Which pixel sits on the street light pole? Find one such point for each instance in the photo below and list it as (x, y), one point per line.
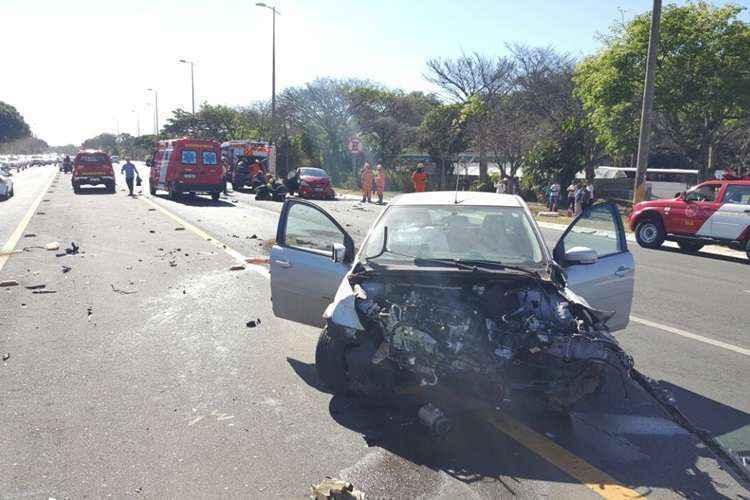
(644, 138)
(156, 111)
(272, 8)
(137, 123)
(192, 82)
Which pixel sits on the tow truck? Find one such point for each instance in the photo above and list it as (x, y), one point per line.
(716, 212)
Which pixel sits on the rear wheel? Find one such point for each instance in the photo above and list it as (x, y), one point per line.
(76, 188)
(110, 187)
(173, 194)
(215, 196)
(330, 362)
(690, 246)
(649, 233)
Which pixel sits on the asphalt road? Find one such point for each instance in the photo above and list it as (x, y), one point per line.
(139, 376)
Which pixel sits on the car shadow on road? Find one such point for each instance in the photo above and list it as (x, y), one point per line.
(94, 190)
(631, 441)
(706, 255)
(197, 201)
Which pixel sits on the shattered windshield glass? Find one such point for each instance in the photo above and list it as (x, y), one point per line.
(480, 233)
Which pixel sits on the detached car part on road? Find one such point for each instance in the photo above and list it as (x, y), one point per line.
(458, 291)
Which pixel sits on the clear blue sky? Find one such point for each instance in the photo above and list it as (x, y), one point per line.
(75, 68)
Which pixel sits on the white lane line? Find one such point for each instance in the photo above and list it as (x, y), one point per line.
(7, 249)
(693, 336)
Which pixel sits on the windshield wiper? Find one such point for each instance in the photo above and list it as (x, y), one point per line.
(475, 265)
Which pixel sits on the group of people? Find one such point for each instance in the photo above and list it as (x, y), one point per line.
(580, 194)
(366, 177)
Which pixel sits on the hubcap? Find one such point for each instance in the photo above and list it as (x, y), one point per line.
(648, 233)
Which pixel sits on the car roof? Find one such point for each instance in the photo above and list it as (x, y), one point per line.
(474, 198)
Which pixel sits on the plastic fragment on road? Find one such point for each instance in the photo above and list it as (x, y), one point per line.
(72, 249)
(43, 291)
(6, 356)
(35, 287)
(52, 245)
(9, 283)
(253, 323)
(335, 488)
(179, 228)
(237, 267)
(66, 269)
(29, 235)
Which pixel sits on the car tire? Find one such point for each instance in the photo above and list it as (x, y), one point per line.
(76, 188)
(173, 195)
(690, 246)
(330, 361)
(649, 233)
(215, 196)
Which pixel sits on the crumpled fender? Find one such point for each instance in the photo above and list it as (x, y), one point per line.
(342, 310)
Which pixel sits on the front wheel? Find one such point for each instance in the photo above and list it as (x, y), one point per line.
(173, 194)
(215, 196)
(690, 246)
(650, 233)
(330, 361)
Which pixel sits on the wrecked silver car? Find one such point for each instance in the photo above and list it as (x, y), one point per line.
(458, 290)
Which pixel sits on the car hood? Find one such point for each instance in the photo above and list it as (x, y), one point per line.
(315, 180)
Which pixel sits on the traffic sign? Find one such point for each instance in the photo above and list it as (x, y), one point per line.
(355, 146)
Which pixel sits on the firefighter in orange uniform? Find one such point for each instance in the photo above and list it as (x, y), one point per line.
(419, 179)
(366, 178)
(380, 182)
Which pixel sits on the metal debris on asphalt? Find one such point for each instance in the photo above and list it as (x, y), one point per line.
(6, 356)
(122, 292)
(44, 291)
(253, 237)
(9, 283)
(335, 488)
(237, 267)
(29, 235)
(253, 323)
(35, 287)
(72, 249)
(66, 269)
(179, 228)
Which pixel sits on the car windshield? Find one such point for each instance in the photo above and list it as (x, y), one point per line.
(313, 172)
(477, 233)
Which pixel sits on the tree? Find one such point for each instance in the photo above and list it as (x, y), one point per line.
(389, 119)
(442, 135)
(12, 124)
(472, 76)
(702, 82)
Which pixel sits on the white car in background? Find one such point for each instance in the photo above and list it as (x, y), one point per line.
(6, 183)
(458, 291)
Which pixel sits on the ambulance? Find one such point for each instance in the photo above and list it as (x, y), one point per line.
(187, 166)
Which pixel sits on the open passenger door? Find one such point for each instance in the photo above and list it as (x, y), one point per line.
(594, 252)
(311, 256)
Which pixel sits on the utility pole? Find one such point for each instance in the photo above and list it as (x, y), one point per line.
(644, 138)
(272, 8)
(192, 82)
(156, 110)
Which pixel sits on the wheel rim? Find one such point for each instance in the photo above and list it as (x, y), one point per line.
(649, 233)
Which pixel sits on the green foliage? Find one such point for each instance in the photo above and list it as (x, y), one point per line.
(12, 124)
(702, 85)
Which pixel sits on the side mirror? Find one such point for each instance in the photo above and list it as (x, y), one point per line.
(338, 253)
(581, 255)
(680, 195)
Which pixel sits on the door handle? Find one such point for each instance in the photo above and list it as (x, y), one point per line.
(283, 263)
(621, 271)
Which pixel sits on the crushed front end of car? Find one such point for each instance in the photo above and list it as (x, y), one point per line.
(490, 336)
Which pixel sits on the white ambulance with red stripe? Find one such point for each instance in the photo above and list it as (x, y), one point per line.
(716, 212)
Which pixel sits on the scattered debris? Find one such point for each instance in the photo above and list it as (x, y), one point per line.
(235, 236)
(89, 312)
(29, 235)
(237, 267)
(122, 292)
(151, 231)
(152, 210)
(6, 356)
(72, 249)
(66, 269)
(53, 245)
(44, 291)
(9, 283)
(258, 260)
(253, 237)
(179, 228)
(173, 263)
(61, 254)
(335, 488)
(36, 287)
(253, 323)
(41, 213)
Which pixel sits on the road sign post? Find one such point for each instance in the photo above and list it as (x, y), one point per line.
(355, 148)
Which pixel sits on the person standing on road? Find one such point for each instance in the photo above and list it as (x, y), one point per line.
(554, 193)
(571, 198)
(366, 178)
(419, 179)
(590, 188)
(130, 174)
(500, 186)
(380, 182)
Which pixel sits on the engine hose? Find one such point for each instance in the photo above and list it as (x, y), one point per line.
(666, 402)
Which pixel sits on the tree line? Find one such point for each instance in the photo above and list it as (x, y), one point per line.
(534, 109)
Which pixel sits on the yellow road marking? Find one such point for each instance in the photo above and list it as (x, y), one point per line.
(7, 249)
(596, 480)
(208, 237)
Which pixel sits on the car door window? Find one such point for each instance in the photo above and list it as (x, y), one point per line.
(707, 192)
(307, 228)
(739, 195)
(597, 228)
